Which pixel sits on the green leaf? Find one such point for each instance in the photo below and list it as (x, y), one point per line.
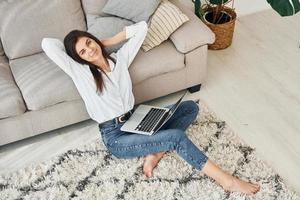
(198, 9)
(217, 2)
(285, 7)
(296, 5)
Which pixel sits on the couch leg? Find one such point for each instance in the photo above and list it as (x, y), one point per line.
(195, 88)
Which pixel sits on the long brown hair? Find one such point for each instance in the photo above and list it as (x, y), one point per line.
(70, 41)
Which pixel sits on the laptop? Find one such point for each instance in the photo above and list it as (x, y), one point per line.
(148, 119)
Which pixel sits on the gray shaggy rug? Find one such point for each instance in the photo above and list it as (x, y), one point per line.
(91, 172)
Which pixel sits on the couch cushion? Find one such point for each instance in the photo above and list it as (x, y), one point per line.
(162, 59)
(104, 27)
(94, 7)
(42, 82)
(23, 24)
(131, 9)
(11, 101)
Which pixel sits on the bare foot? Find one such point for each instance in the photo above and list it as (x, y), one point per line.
(227, 181)
(150, 162)
(234, 184)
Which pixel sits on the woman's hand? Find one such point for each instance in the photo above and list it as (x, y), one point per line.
(120, 37)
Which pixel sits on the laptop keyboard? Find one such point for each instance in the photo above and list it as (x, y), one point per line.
(151, 118)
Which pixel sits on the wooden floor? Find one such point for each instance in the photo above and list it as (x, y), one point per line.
(253, 85)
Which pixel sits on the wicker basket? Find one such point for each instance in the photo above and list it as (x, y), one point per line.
(223, 32)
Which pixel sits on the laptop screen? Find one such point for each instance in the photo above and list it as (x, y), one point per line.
(169, 113)
(174, 107)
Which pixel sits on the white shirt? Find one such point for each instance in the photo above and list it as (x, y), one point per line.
(117, 97)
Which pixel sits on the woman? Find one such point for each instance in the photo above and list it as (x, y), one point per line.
(104, 84)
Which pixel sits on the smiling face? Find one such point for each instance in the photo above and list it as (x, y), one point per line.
(88, 49)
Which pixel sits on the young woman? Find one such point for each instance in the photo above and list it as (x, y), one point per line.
(105, 86)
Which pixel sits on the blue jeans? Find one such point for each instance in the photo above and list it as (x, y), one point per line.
(170, 137)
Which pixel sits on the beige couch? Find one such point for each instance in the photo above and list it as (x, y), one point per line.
(36, 96)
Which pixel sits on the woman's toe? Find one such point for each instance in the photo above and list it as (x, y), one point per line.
(148, 174)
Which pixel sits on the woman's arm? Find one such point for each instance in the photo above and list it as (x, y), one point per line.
(120, 37)
(136, 34)
(55, 50)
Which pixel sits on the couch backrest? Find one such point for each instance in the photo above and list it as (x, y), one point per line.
(94, 7)
(23, 24)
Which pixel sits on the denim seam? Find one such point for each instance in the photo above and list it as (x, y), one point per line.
(185, 153)
(137, 146)
(180, 148)
(200, 163)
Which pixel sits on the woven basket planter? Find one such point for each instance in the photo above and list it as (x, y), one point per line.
(223, 32)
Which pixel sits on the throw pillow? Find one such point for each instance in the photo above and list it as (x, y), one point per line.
(94, 7)
(104, 27)
(134, 10)
(166, 19)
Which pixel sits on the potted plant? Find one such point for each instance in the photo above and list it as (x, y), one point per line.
(220, 18)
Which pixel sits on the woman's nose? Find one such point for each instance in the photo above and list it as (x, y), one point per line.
(90, 51)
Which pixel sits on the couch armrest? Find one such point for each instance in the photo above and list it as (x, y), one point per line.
(191, 34)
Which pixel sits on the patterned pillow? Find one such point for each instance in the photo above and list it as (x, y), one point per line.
(166, 19)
